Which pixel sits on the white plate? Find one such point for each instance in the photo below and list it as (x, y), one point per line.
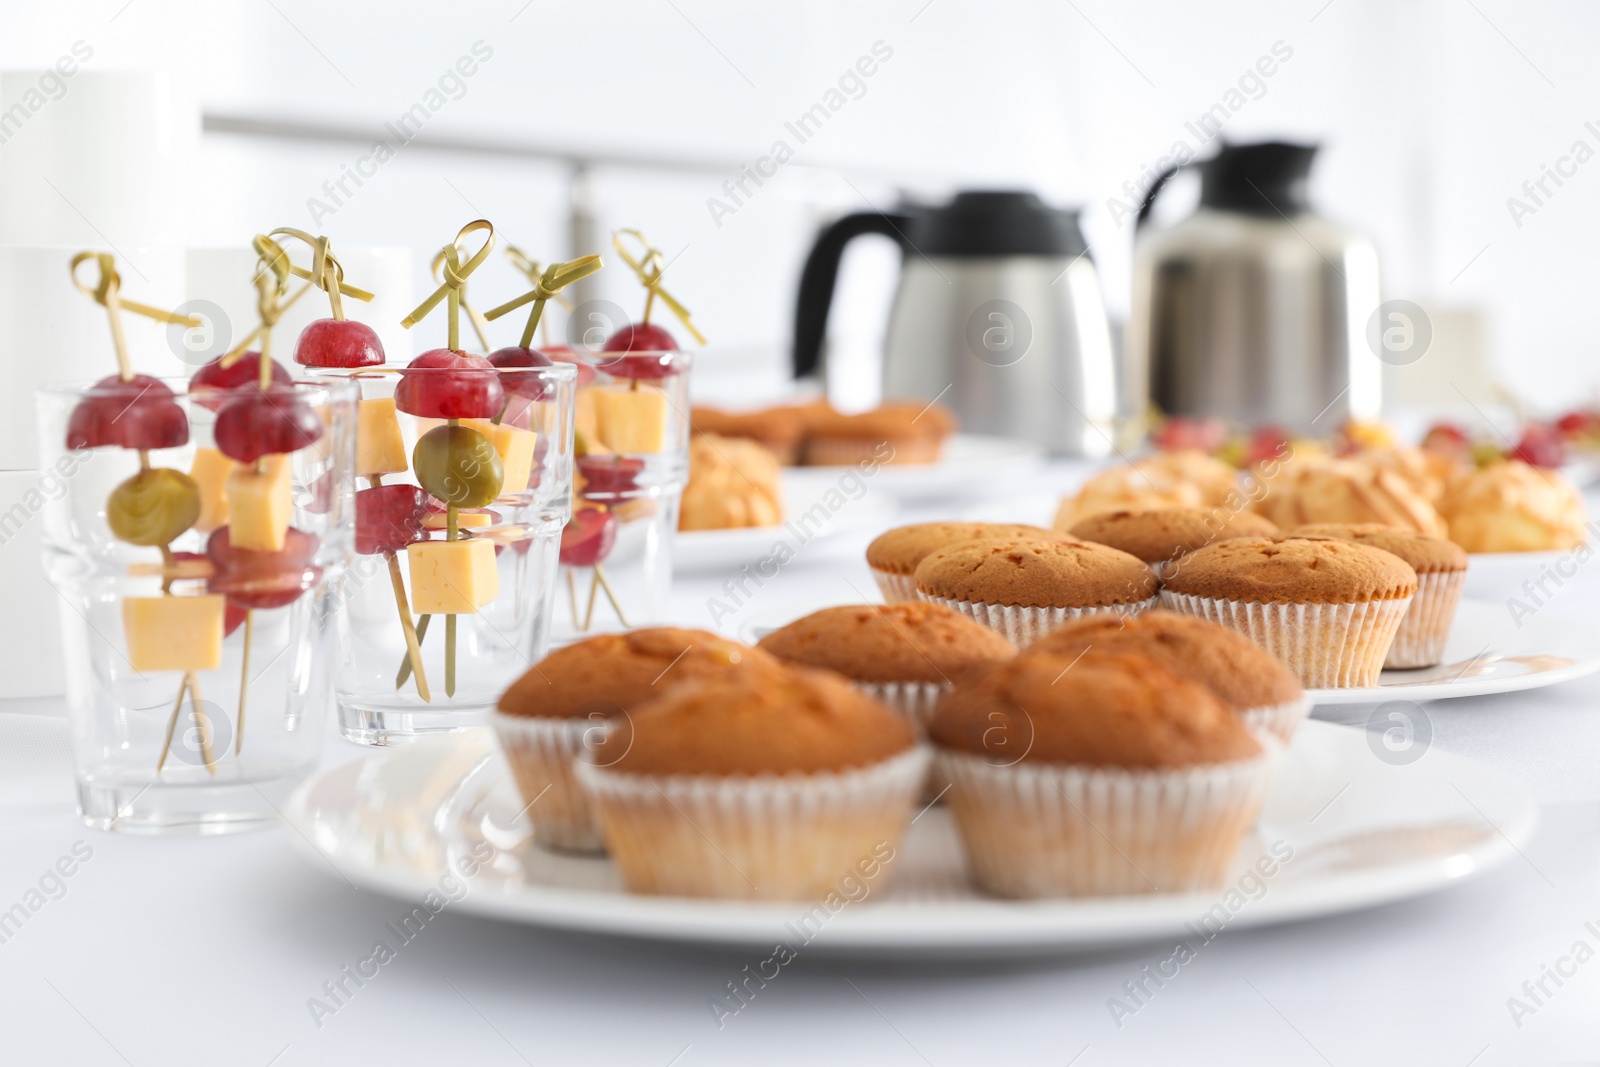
(970, 461)
(716, 550)
(1362, 832)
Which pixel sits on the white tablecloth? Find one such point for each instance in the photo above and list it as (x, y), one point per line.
(184, 951)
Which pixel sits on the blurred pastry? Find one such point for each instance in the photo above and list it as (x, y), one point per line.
(1095, 774)
(894, 555)
(1512, 507)
(1023, 588)
(1162, 535)
(1424, 473)
(1180, 479)
(1441, 568)
(768, 785)
(778, 429)
(910, 431)
(1339, 490)
(733, 483)
(567, 701)
(1328, 609)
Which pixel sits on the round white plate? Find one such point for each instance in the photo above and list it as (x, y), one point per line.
(970, 461)
(1358, 830)
(1501, 575)
(843, 511)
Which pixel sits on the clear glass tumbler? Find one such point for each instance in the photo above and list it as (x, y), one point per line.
(196, 598)
(632, 464)
(470, 606)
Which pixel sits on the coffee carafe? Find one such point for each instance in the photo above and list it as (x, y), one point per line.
(1254, 308)
(998, 314)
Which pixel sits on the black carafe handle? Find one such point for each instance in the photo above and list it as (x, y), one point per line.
(820, 274)
(1154, 191)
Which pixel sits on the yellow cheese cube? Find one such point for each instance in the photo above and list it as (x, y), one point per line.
(260, 504)
(210, 471)
(379, 447)
(630, 420)
(465, 520)
(452, 577)
(516, 452)
(583, 417)
(174, 633)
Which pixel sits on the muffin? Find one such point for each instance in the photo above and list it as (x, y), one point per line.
(1022, 588)
(1264, 693)
(1441, 568)
(1184, 478)
(1422, 472)
(1328, 609)
(894, 555)
(565, 702)
(1096, 775)
(779, 430)
(733, 483)
(1345, 491)
(1160, 536)
(906, 655)
(910, 431)
(759, 785)
(1512, 507)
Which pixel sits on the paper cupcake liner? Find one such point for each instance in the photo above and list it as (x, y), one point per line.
(1022, 625)
(895, 588)
(1054, 830)
(1420, 640)
(1278, 721)
(541, 752)
(916, 701)
(767, 837)
(1328, 646)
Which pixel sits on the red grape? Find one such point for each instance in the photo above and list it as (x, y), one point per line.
(455, 385)
(139, 413)
(255, 422)
(213, 381)
(564, 354)
(1181, 432)
(588, 538)
(609, 477)
(526, 385)
(1267, 443)
(338, 343)
(1580, 423)
(388, 518)
(1446, 438)
(232, 614)
(253, 579)
(641, 337)
(649, 345)
(1541, 446)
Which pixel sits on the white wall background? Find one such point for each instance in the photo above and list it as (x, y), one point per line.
(1432, 113)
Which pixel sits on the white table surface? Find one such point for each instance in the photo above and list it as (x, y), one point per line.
(206, 951)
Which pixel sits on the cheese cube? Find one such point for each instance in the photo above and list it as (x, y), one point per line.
(210, 471)
(583, 415)
(516, 452)
(379, 447)
(452, 577)
(174, 633)
(260, 504)
(629, 420)
(465, 520)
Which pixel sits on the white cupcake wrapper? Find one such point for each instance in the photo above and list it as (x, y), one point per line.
(895, 588)
(1420, 640)
(1278, 721)
(914, 700)
(1328, 646)
(1053, 830)
(1024, 625)
(767, 837)
(540, 752)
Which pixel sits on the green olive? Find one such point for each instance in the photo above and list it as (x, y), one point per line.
(154, 507)
(458, 465)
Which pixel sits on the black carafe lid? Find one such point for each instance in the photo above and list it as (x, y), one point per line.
(1267, 178)
(997, 223)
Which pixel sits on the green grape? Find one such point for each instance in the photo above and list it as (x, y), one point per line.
(154, 507)
(458, 465)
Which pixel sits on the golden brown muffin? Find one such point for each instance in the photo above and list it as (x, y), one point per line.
(733, 483)
(1346, 492)
(1512, 507)
(914, 641)
(1293, 570)
(1183, 478)
(778, 429)
(900, 550)
(756, 722)
(615, 672)
(1420, 470)
(1427, 555)
(1105, 709)
(1232, 666)
(1035, 573)
(1167, 533)
(908, 431)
